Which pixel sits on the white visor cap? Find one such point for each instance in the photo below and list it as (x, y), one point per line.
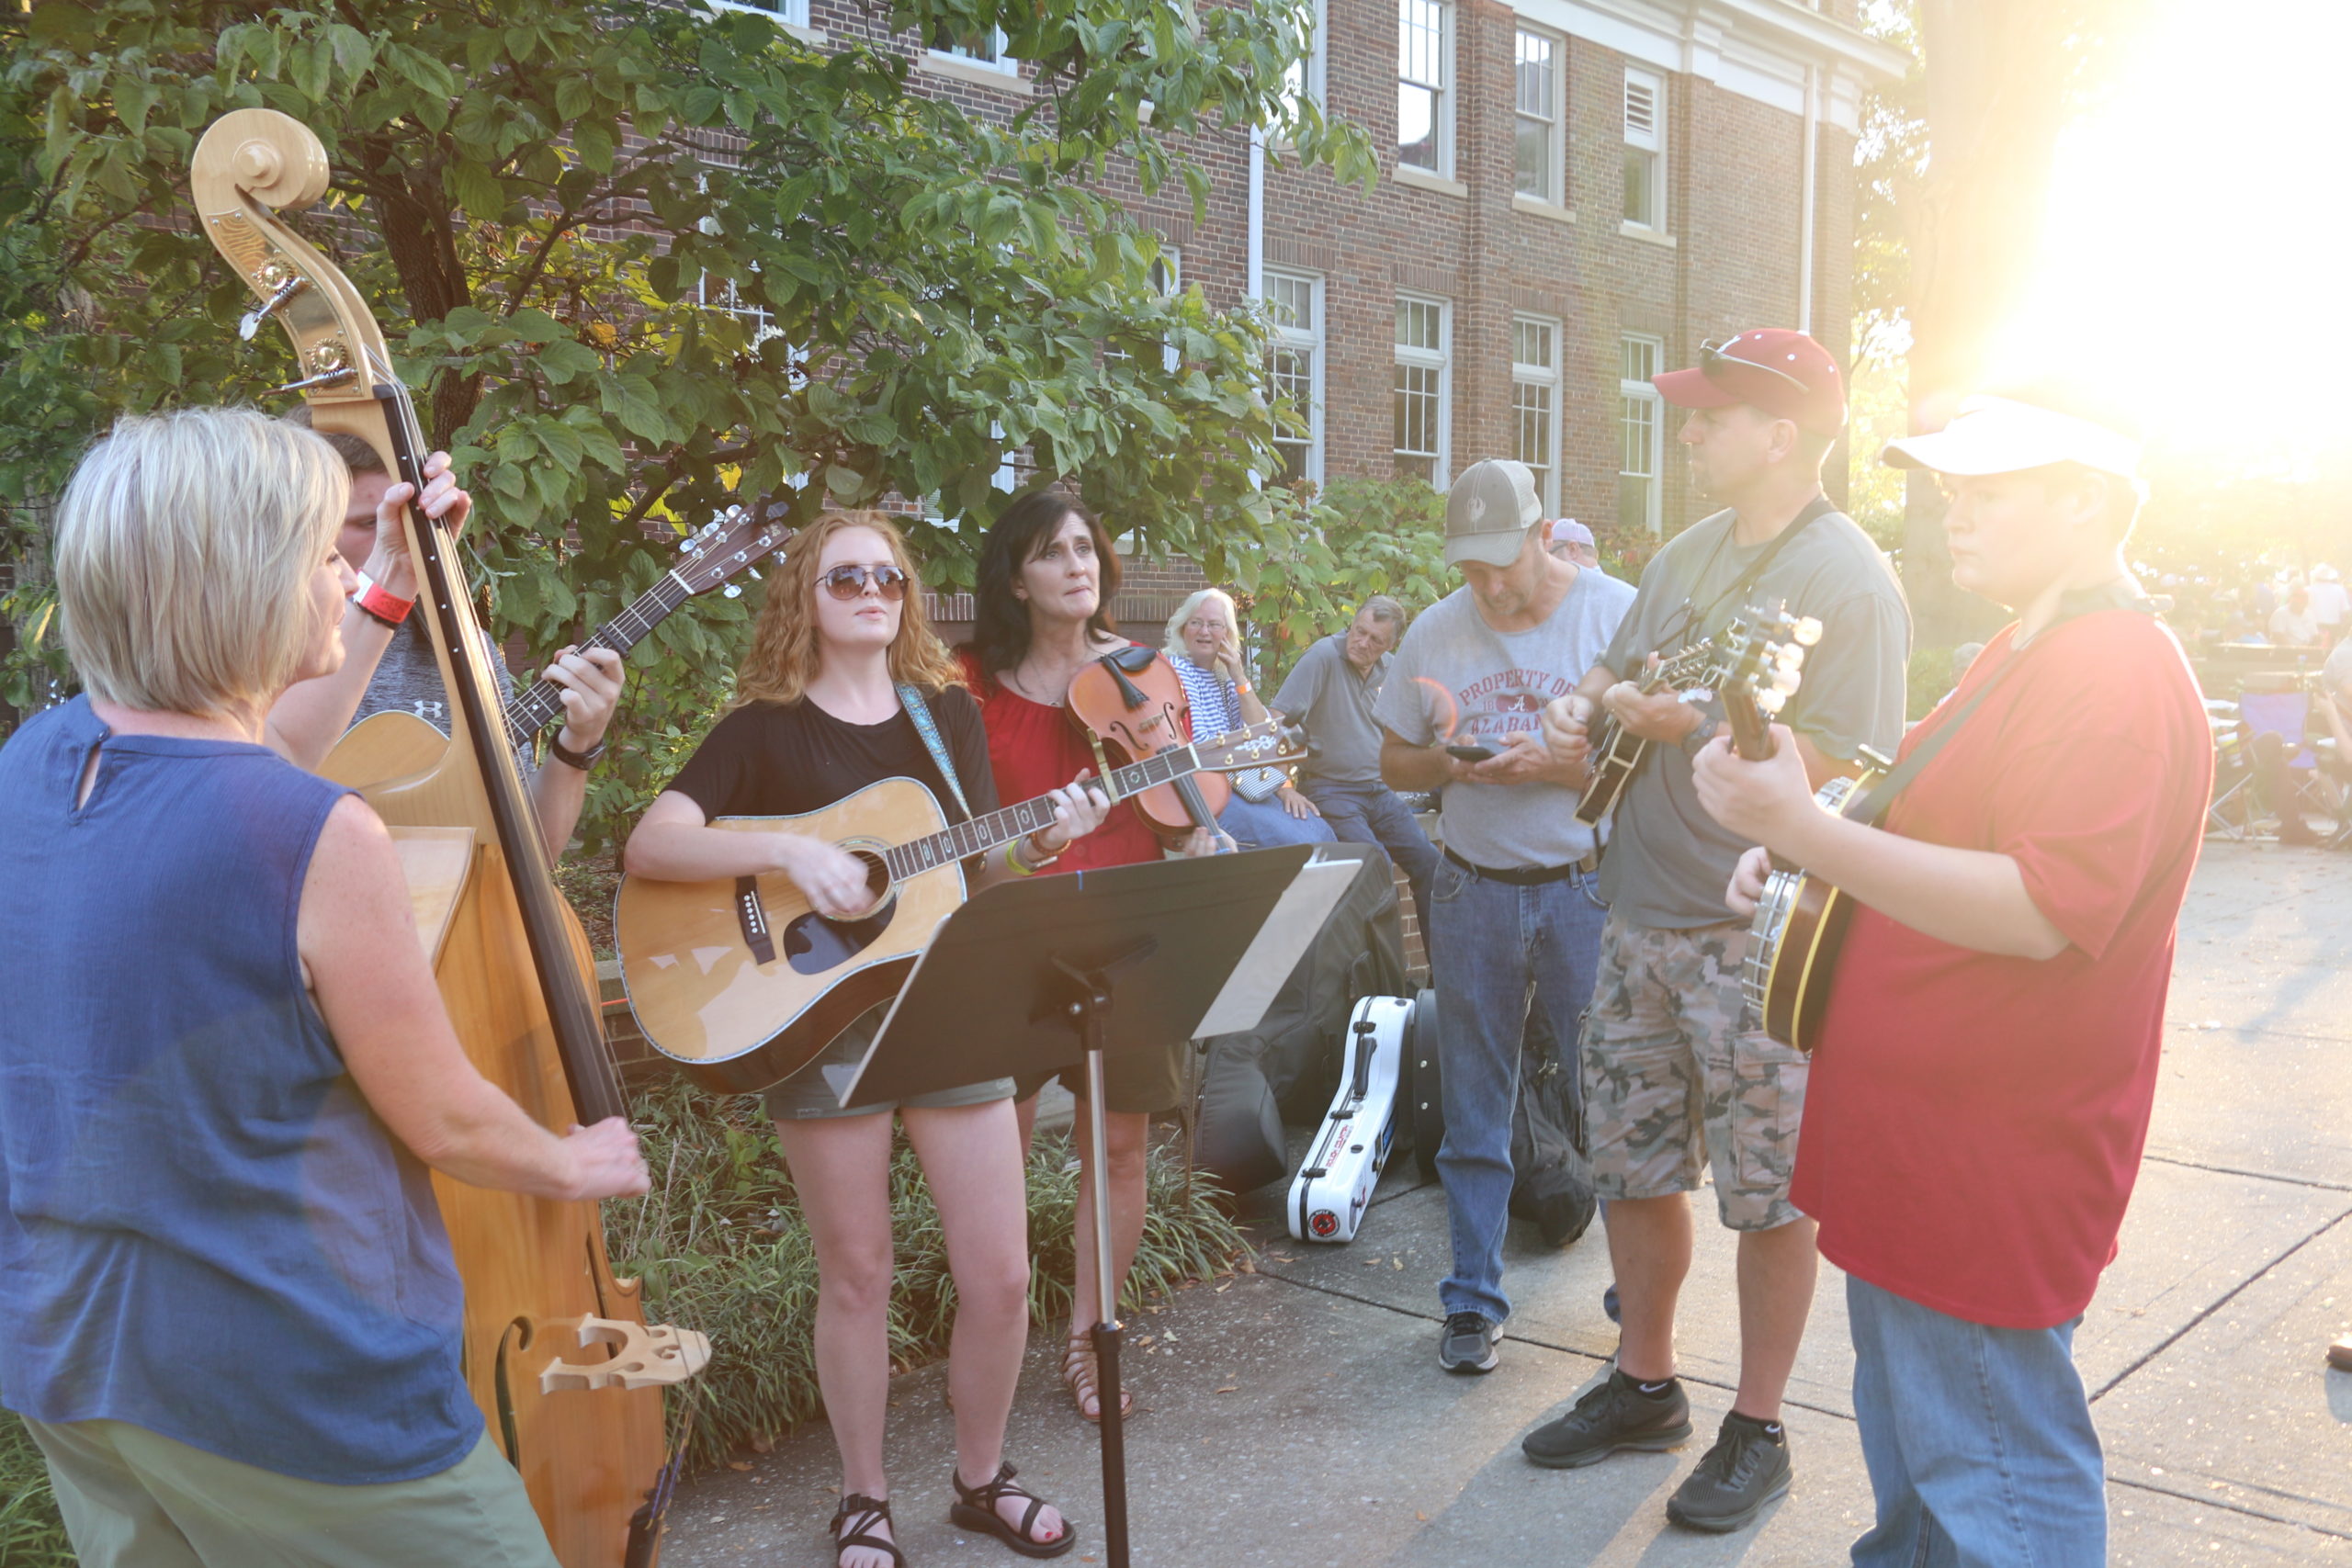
(2001, 436)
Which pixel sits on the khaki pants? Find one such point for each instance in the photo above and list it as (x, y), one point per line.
(132, 1499)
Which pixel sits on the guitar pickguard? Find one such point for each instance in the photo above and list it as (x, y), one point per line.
(813, 944)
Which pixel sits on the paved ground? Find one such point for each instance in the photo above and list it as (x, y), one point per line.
(1297, 1416)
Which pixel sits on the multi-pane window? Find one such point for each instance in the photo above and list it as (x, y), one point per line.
(1294, 372)
(719, 294)
(793, 12)
(1535, 403)
(1423, 111)
(982, 47)
(1645, 149)
(1638, 465)
(1421, 355)
(1304, 79)
(1538, 105)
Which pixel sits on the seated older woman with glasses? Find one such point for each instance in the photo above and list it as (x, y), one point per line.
(1205, 649)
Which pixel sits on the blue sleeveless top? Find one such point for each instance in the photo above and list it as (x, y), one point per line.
(203, 1229)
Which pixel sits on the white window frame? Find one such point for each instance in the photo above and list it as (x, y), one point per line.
(1442, 117)
(1554, 192)
(1647, 143)
(995, 60)
(1167, 276)
(1527, 373)
(1440, 359)
(1306, 339)
(1311, 76)
(1631, 390)
(789, 13)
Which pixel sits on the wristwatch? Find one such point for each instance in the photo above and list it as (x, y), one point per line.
(583, 760)
(1696, 742)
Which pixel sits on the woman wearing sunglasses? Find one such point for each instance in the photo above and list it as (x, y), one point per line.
(816, 716)
(1046, 576)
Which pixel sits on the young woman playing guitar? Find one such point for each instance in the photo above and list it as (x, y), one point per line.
(819, 714)
(1041, 615)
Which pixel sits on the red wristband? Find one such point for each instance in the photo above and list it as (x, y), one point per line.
(375, 599)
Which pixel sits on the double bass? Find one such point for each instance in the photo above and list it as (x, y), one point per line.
(554, 1348)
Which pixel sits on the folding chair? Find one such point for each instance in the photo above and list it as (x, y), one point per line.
(2231, 811)
(2285, 714)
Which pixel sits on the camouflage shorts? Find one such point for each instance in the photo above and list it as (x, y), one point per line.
(1672, 1076)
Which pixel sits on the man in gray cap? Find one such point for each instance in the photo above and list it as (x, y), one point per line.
(1514, 912)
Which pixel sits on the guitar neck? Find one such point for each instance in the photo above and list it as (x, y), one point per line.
(543, 704)
(997, 828)
(1751, 732)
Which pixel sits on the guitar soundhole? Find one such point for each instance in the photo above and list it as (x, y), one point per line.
(813, 944)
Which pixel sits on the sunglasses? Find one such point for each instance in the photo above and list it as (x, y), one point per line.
(1713, 354)
(848, 581)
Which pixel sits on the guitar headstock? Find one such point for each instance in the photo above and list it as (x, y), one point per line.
(1763, 666)
(1267, 743)
(727, 545)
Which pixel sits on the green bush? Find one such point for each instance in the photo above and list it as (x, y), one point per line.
(30, 1533)
(722, 1248)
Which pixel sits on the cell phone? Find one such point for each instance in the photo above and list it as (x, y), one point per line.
(1471, 753)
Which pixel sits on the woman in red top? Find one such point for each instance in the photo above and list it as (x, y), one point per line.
(1046, 575)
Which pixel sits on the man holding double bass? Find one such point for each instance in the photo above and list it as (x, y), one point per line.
(1988, 1052)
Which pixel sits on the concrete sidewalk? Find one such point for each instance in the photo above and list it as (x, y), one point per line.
(1296, 1415)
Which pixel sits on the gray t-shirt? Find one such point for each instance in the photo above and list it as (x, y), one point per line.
(1337, 709)
(407, 680)
(1499, 683)
(1668, 861)
(2336, 674)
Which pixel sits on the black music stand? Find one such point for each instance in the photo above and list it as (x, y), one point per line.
(1104, 962)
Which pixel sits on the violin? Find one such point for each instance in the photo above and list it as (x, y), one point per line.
(555, 1347)
(1132, 702)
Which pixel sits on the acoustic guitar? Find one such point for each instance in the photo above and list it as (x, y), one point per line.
(1617, 752)
(389, 746)
(741, 983)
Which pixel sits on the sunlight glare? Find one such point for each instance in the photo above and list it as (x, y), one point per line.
(2199, 236)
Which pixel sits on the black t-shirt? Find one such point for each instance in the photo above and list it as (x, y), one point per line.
(771, 761)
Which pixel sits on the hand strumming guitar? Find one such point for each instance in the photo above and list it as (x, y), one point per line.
(1661, 715)
(1567, 729)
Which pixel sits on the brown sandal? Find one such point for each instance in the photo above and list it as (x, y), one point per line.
(1084, 1373)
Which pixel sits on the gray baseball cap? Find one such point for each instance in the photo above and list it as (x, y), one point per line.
(1488, 511)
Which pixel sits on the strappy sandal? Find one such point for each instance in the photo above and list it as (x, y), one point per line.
(1084, 1373)
(859, 1514)
(974, 1509)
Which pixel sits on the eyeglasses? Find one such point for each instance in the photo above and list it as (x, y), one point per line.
(1713, 355)
(848, 581)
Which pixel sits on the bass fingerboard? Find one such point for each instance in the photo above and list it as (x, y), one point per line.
(535, 709)
(997, 828)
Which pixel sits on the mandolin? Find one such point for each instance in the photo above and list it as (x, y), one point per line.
(554, 1347)
(386, 746)
(1617, 752)
(741, 983)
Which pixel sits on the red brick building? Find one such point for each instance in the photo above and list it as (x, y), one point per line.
(1574, 195)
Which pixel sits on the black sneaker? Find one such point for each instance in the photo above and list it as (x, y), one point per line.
(1616, 1417)
(1467, 1343)
(1736, 1480)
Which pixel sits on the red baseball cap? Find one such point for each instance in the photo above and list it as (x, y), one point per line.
(1784, 373)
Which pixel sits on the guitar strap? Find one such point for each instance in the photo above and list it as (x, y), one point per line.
(2119, 593)
(911, 698)
(1696, 625)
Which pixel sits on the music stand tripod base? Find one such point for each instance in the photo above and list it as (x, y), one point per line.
(1098, 965)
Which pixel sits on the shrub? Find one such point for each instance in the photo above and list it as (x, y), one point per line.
(31, 1535)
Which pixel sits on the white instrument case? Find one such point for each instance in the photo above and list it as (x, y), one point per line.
(1343, 1163)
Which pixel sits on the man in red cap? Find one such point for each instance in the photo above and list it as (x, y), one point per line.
(1675, 1077)
(1995, 1021)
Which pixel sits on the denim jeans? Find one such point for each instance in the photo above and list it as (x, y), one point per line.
(1979, 1441)
(1371, 814)
(1265, 825)
(1500, 949)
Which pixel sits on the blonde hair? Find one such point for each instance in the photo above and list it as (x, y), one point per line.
(185, 542)
(1200, 596)
(785, 655)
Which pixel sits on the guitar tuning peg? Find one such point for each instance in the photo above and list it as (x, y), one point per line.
(732, 591)
(1770, 702)
(1808, 631)
(754, 573)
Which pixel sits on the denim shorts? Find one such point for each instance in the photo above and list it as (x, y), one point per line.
(806, 1096)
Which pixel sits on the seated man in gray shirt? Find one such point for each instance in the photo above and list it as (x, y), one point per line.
(1675, 1075)
(1332, 692)
(1514, 913)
